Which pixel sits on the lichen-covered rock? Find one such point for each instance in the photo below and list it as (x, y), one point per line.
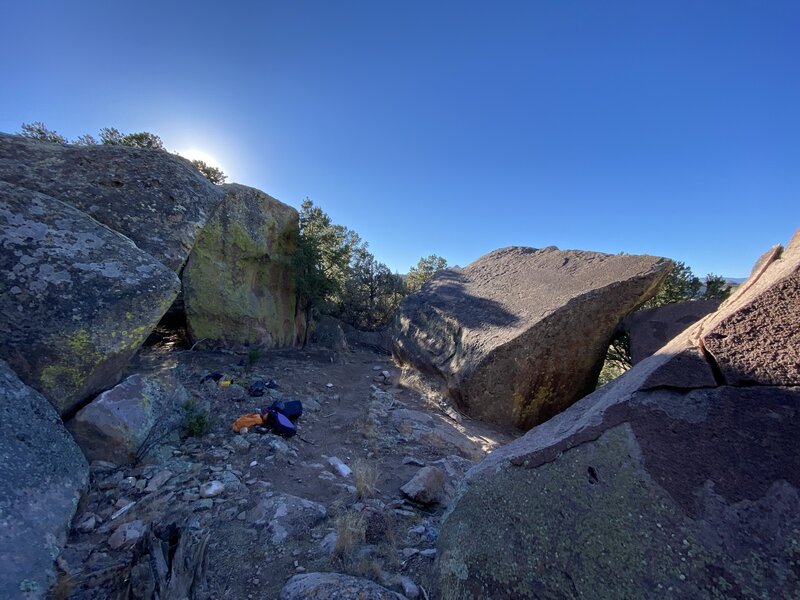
(649, 487)
(650, 329)
(520, 334)
(157, 199)
(116, 425)
(78, 299)
(42, 475)
(238, 284)
(426, 487)
(330, 586)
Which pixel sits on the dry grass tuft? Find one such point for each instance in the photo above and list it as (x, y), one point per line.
(62, 589)
(365, 474)
(351, 530)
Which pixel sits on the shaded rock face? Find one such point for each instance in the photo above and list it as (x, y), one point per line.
(238, 284)
(378, 341)
(520, 334)
(322, 586)
(652, 328)
(42, 475)
(681, 475)
(156, 199)
(78, 300)
(115, 425)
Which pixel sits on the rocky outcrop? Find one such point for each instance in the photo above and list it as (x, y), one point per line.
(158, 200)
(680, 476)
(650, 329)
(321, 586)
(116, 425)
(238, 284)
(42, 475)
(520, 334)
(378, 341)
(78, 300)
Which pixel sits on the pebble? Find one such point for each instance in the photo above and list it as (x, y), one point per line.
(253, 463)
(410, 589)
(204, 504)
(328, 385)
(240, 443)
(211, 489)
(88, 524)
(126, 534)
(429, 553)
(341, 468)
(411, 460)
(158, 480)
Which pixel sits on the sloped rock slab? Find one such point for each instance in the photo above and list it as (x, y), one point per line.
(651, 329)
(79, 301)
(334, 586)
(42, 475)
(649, 487)
(520, 334)
(157, 199)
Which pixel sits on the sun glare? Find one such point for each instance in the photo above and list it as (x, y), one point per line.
(194, 154)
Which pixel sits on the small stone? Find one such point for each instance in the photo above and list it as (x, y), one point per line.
(158, 480)
(410, 589)
(126, 534)
(204, 504)
(88, 524)
(241, 444)
(211, 489)
(279, 446)
(426, 487)
(411, 460)
(328, 385)
(341, 468)
(428, 553)
(253, 463)
(243, 431)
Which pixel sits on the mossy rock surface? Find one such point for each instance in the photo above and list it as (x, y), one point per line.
(80, 298)
(238, 283)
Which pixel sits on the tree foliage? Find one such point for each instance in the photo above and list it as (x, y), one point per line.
(213, 174)
(336, 273)
(39, 131)
(425, 268)
(111, 136)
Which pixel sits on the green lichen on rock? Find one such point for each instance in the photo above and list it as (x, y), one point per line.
(239, 281)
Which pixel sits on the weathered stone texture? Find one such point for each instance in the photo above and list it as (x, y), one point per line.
(78, 299)
(42, 475)
(650, 329)
(238, 283)
(157, 199)
(649, 487)
(114, 426)
(520, 334)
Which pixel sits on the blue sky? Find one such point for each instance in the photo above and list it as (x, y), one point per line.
(668, 128)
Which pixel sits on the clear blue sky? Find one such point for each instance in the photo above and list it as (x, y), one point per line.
(668, 128)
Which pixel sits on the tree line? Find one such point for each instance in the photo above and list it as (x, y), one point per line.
(111, 136)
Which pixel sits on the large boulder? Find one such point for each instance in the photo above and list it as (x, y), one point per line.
(123, 423)
(520, 334)
(680, 478)
(650, 329)
(78, 300)
(238, 283)
(42, 475)
(157, 199)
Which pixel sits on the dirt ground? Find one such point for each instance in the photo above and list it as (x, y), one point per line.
(358, 524)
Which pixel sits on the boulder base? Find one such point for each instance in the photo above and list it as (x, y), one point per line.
(42, 475)
(520, 334)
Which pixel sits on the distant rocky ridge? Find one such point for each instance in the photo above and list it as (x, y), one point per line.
(681, 476)
(520, 334)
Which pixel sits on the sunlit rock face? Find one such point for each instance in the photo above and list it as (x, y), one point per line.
(239, 282)
(680, 478)
(520, 334)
